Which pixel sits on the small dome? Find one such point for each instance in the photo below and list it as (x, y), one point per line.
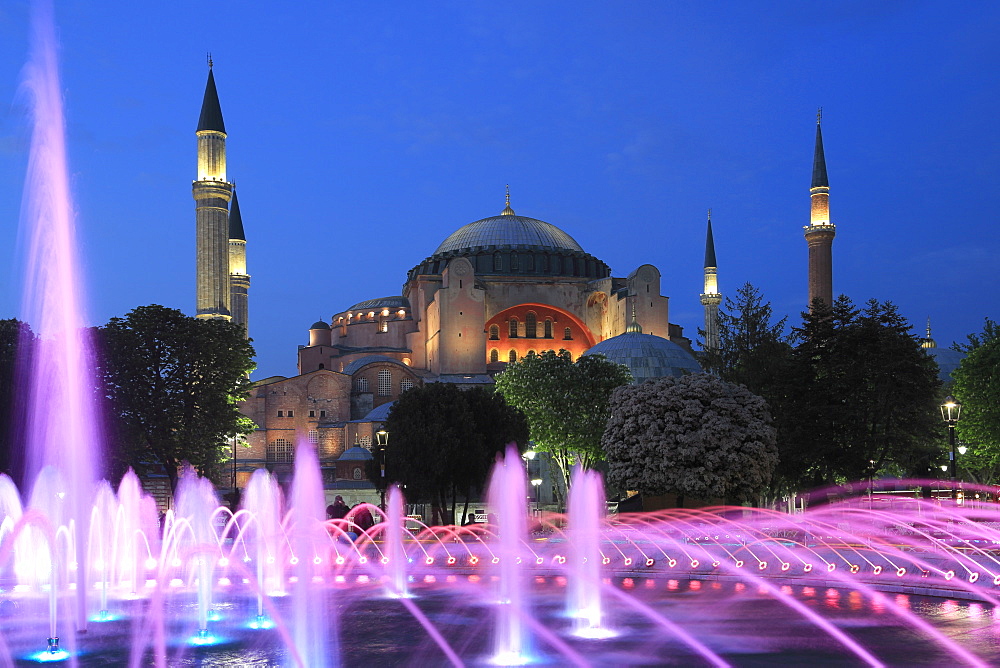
(647, 356)
(319, 324)
(356, 454)
(508, 229)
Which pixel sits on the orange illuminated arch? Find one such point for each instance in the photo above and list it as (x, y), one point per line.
(549, 337)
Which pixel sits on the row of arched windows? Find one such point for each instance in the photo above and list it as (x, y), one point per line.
(555, 264)
(511, 355)
(530, 328)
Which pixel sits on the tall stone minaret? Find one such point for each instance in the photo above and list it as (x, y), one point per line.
(711, 298)
(212, 194)
(239, 279)
(820, 231)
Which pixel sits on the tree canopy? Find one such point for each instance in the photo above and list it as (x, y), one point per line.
(173, 383)
(444, 440)
(977, 386)
(754, 350)
(566, 403)
(16, 346)
(861, 397)
(696, 436)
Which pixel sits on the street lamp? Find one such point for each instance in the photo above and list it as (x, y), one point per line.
(382, 437)
(536, 483)
(951, 410)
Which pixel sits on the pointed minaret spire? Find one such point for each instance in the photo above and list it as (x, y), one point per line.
(239, 279)
(711, 298)
(212, 193)
(820, 231)
(211, 110)
(928, 342)
(507, 211)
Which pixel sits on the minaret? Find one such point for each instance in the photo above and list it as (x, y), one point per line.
(820, 231)
(928, 342)
(711, 298)
(239, 279)
(212, 194)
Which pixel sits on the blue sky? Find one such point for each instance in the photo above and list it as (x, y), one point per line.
(362, 134)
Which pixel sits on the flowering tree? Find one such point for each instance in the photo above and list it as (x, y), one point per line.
(695, 436)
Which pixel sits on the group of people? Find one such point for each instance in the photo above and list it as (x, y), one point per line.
(362, 516)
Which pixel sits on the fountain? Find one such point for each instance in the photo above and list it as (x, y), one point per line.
(88, 577)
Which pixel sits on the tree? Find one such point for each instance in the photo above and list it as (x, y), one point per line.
(753, 350)
(566, 403)
(861, 397)
(695, 436)
(173, 383)
(17, 343)
(443, 441)
(977, 386)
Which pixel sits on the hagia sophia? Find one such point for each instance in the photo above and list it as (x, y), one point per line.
(492, 292)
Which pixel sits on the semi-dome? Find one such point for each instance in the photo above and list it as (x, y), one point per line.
(647, 356)
(509, 229)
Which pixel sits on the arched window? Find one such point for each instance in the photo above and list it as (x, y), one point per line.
(529, 262)
(357, 473)
(494, 332)
(383, 324)
(384, 382)
(494, 355)
(279, 451)
(548, 328)
(512, 356)
(361, 385)
(514, 266)
(530, 325)
(497, 262)
(567, 334)
(543, 263)
(405, 384)
(314, 437)
(512, 330)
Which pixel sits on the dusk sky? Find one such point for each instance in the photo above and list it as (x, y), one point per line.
(362, 134)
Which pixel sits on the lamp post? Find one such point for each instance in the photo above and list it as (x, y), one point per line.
(382, 437)
(951, 410)
(536, 483)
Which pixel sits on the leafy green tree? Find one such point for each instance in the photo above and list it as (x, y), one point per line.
(443, 442)
(861, 397)
(695, 436)
(977, 386)
(754, 349)
(566, 403)
(17, 343)
(173, 383)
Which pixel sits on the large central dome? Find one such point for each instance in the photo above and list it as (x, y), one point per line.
(508, 229)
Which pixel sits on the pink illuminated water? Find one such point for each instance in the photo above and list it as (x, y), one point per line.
(872, 582)
(62, 429)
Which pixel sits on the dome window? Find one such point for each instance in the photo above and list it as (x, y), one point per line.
(497, 262)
